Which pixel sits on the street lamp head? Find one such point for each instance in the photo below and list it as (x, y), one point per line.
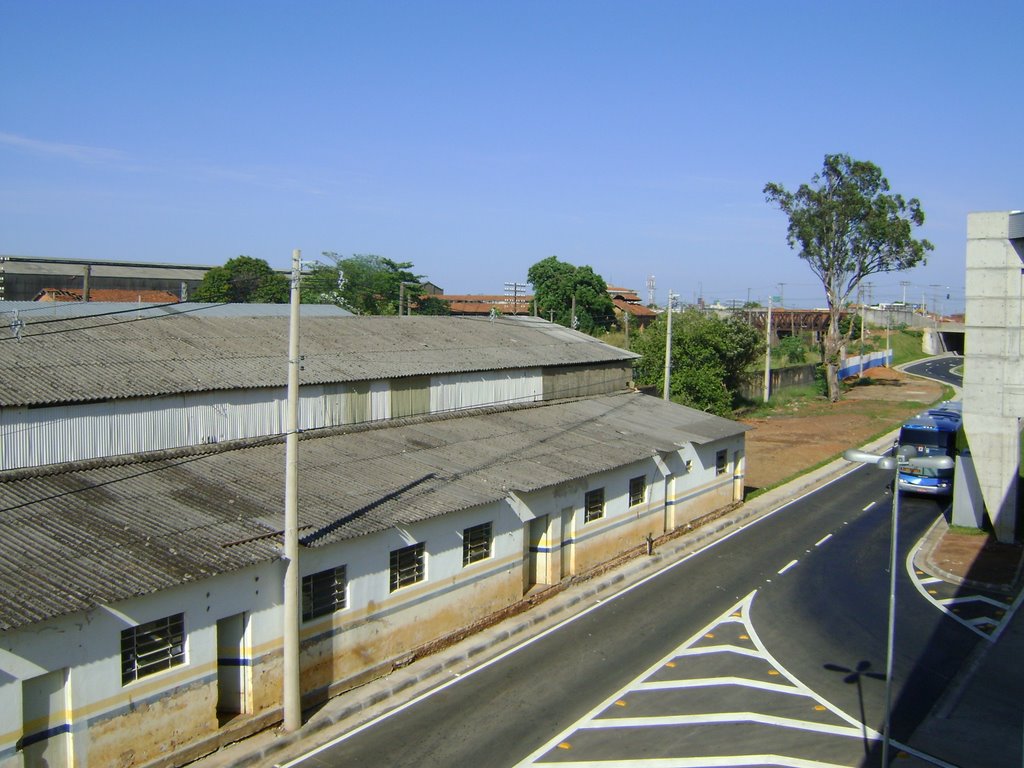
(863, 457)
(904, 458)
(932, 462)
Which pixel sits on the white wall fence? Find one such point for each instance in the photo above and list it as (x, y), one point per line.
(851, 366)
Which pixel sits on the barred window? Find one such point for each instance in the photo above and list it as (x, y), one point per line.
(721, 462)
(323, 593)
(593, 505)
(152, 647)
(406, 566)
(637, 490)
(476, 543)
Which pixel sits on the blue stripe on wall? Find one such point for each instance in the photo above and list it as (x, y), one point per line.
(225, 661)
(34, 738)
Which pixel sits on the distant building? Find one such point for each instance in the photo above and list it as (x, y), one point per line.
(482, 304)
(23, 278)
(429, 289)
(107, 294)
(628, 302)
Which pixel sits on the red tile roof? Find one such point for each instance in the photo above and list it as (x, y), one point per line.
(108, 294)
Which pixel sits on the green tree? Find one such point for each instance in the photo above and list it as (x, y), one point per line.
(431, 305)
(793, 349)
(554, 285)
(363, 284)
(709, 357)
(243, 280)
(847, 225)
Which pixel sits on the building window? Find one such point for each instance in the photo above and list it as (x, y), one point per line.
(152, 647)
(593, 505)
(406, 566)
(323, 593)
(476, 543)
(637, 490)
(721, 461)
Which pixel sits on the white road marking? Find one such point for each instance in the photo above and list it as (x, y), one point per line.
(786, 567)
(739, 613)
(920, 582)
(737, 761)
(971, 599)
(718, 649)
(821, 541)
(722, 717)
(702, 682)
(869, 506)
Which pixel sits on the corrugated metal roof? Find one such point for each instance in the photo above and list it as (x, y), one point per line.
(92, 358)
(75, 536)
(33, 311)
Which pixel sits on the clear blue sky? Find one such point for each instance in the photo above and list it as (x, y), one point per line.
(476, 138)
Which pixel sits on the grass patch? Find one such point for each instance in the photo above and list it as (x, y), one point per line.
(967, 530)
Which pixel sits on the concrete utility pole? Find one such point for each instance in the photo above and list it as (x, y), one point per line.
(292, 694)
(402, 301)
(860, 298)
(572, 318)
(668, 347)
(85, 283)
(768, 353)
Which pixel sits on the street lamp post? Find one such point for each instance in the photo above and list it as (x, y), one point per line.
(892, 464)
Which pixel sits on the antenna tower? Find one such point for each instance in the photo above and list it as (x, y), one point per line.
(650, 289)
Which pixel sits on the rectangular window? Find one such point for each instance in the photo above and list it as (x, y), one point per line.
(593, 505)
(152, 647)
(406, 566)
(476, 543)
(323, 593)
(721, 461)
(637, 490)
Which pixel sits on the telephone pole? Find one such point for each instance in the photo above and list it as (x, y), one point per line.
(668, 347)
(292, 694)
(768, 353)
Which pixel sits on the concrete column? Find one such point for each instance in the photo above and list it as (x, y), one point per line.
(994, 370)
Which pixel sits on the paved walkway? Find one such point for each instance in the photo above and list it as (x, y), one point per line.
(979, 721)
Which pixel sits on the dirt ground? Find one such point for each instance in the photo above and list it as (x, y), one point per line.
(782, 446)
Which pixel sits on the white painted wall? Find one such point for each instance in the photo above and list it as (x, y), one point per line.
(41, 436)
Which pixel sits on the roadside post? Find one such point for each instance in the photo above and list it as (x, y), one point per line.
(892, 464)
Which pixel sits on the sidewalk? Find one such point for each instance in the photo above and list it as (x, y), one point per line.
(980, 720)
(981, 710)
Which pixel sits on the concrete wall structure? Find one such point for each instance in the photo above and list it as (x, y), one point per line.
(994, 373)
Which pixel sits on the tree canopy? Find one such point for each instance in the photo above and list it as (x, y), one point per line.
(554, 285)
(709, 357)
(244, 280)
(364, 284)
(847, 225)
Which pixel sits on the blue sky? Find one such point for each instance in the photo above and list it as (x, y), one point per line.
(475, 138)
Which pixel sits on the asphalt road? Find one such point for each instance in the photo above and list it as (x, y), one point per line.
(768, 643)
(939, 368)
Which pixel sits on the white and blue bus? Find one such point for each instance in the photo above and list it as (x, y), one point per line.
(932, 433)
